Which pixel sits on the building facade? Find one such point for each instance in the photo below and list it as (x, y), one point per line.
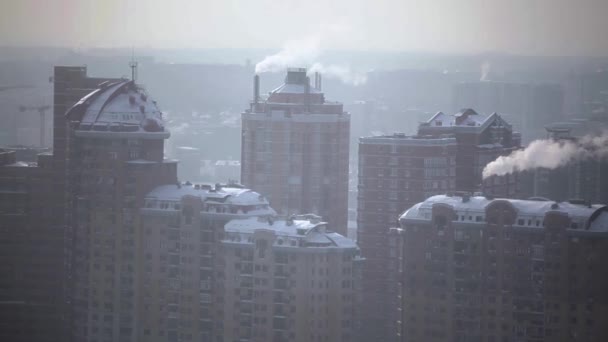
(288, 280)
(395, 172)
(115, 157)
(295, 150)
(448, 154)
(473, 268)
(37, 240)
(481, 139)
(182, 273)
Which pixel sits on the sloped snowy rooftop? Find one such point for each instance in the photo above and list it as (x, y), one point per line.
(290, 88)
(525, 208)
(121, 107)
(225, 194)
(300, 232)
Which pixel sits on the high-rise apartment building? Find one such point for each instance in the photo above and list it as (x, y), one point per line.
(295, 150)
(473, 268)
(36, 239)
(115, 157)
(481, 139)
(397, 171)
(288, 280)
(182, 277)
(100, 242)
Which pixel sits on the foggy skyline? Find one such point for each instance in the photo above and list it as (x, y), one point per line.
(540, 27)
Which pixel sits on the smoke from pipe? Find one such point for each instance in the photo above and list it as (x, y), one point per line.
(294, 52)
(549, 154)
(485, 71)
(340, 72)
(306, 52)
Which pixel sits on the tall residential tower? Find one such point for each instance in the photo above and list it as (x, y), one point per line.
(396, 171)
(295, 149)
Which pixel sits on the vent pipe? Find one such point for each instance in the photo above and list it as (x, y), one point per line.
(256, 89)
(320, 82)
(307, 94)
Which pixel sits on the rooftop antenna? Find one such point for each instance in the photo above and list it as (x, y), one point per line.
(133, 66)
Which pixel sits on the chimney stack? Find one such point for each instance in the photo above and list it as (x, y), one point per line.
(317, 80)
(256, 89)
(320, 82)
(307, 94)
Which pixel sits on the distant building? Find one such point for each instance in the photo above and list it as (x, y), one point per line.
(295, 148)
(472, 268)
(594, 95)
(397, 171)
(190, 159)
(228, 170)
(288, 280)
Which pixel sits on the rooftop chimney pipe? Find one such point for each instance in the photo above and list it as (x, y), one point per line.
(307, 94)
(256, 89)
(320, 82)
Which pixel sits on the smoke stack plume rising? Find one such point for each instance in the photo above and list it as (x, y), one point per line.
(485, 71)
(340, 72)
(306, 52)
(549, 154)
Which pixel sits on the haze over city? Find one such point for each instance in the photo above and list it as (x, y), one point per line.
(391, 170)
(538, 27)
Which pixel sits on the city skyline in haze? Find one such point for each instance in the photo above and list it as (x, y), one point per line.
(539, 27)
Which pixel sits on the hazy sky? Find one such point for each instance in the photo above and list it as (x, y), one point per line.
(542, 27)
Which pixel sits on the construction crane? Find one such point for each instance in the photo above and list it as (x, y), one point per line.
(42, 111)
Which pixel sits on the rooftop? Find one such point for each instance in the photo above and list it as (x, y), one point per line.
(228, 194)
(402, 139)
(116, 108)
(589, 217)
(467, 120)
(298, 231)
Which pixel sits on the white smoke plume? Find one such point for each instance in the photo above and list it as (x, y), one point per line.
(549, 154)
(307, 51)
(294, 53)
(485, 71)
(343, 73)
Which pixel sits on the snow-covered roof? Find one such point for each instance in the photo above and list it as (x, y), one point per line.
(410, 140)
(291, 88)
(465, 120)
(228, 163)
(296, 232)
(119, 108)
(466, 117)
(596, 216)
(227, 194)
